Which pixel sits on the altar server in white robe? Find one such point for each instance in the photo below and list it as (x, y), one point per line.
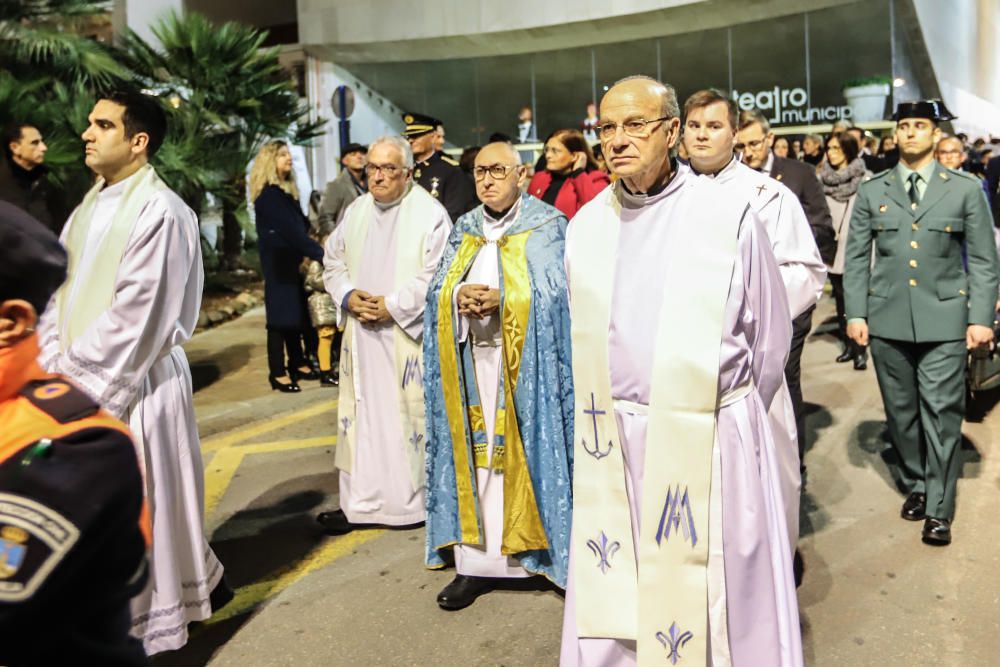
(377, 266)
(680, 333)
(131, 300)
(710, 121)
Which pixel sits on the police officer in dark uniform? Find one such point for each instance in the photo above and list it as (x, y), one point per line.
(921, 307)
(73, 526)
(436, 172)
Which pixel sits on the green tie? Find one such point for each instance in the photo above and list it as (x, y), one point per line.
(914, 193)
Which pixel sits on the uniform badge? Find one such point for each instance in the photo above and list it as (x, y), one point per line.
(13, 547)
(434, 187)
(416, 174)
(883, 208)
(778, 177)
(408, 119)
(34, 538)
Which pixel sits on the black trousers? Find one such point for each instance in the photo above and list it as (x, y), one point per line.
(278, 343)
(837, 283)
(801, 326)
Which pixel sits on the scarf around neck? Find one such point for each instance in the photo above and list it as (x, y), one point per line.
(842, 184)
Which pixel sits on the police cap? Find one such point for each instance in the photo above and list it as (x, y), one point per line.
(32, 263)
(418, 124)
(934, 110)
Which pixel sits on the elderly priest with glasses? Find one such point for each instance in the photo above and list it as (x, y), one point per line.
(680, 332)
(377, 266)
(499, 390)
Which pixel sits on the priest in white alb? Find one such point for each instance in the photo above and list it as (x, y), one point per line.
(499, 387)
(377, 266)
(680, 332)
(710, 122)
(116, 328)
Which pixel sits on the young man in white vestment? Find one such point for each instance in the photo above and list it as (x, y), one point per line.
(680, 331)
(377, 266)
(116, 328)
(710, 122)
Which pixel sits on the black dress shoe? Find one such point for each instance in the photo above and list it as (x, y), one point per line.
(845, 356)
(463, 591)
(290, 387)
(299, 374)
(914, 507)
(335, 522)
(860, 361)
(329, 378)
(937, 532)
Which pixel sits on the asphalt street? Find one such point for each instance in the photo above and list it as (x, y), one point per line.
(873, 593)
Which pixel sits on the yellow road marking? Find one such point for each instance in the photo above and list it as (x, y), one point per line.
(220, 472)
(260, 428)
(250, 596)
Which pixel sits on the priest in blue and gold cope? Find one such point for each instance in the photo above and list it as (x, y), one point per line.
(499, 390)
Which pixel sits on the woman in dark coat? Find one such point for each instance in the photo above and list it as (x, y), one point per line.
(571, 177)
(283, 240)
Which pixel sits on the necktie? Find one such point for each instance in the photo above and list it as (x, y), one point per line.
(914, 193)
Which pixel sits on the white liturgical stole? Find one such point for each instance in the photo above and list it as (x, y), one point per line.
(417, 215)
(661, 601)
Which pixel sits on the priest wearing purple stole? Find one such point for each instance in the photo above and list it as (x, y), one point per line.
(680, 332)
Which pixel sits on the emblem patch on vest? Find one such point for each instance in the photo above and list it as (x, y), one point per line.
(677, 517)
(33, 540)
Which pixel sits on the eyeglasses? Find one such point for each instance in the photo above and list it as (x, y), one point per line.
(497, 171)
(752, 145)
(388, 170)
(633, 128)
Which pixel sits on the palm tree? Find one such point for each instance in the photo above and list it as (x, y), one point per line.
(234, 94)
(37, 37)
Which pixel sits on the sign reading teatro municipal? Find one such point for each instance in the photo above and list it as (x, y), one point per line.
(789, 106)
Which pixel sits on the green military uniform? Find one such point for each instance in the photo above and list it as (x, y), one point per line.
(918, 299)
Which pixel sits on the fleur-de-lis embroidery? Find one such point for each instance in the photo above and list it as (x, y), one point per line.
(604, 550)
(415, 440)
(674, 640)
(345, 424)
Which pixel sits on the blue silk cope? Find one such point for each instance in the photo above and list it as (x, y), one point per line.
(534, 441)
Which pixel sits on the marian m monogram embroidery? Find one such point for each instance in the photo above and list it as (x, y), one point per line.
(677, 517)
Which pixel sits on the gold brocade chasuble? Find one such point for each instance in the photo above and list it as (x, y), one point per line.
(661, 601)
(417, 215)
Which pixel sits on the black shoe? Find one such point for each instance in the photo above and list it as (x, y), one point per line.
(860, 361)
(915, 507)
(846, 355)
(798, 568)
(335, 522)
(937, 532)
(298, 374)
(463, 591)
(290, 387)
(329, 378)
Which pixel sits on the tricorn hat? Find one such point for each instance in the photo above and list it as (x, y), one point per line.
(418, 123)
(934, 110)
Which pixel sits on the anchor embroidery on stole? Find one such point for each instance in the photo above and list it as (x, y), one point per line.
(677, 517)
(674, 641)
(604, 550)
(596, 452)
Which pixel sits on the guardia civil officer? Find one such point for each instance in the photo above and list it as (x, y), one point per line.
(436, 172)
(920, 307)
(73, 530)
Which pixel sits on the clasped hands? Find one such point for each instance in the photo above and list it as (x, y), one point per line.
(478, 301)
(368, 308)
(976, 335)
